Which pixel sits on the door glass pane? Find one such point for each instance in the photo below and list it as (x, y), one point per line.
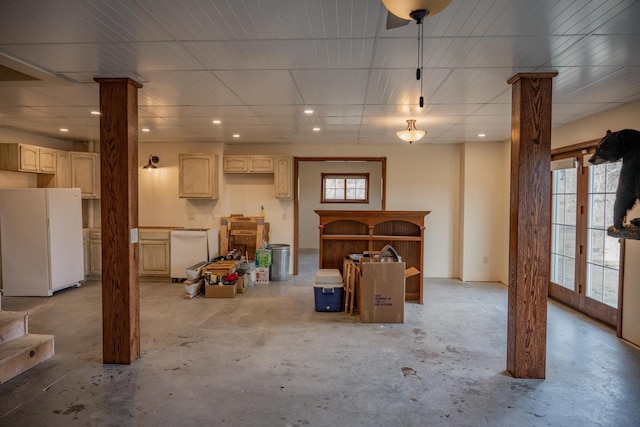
(563, 227)
(603, 252)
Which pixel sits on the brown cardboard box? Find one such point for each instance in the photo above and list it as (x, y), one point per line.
(381, 289)
(219, 291)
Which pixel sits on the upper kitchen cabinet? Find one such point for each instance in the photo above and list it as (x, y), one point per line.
(198, 176)
(247, 164)
(283, 177)
(62, 177)
(85, 173)
(27, 158)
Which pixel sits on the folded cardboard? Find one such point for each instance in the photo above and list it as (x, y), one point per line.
(219, 291)
(381, 292)
(242, 283)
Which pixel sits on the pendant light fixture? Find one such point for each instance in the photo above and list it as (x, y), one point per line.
(150, 165)
(411, 133)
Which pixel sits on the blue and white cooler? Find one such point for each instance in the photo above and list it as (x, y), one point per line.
(328, 290)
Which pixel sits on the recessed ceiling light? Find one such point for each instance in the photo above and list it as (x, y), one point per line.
(95, 113)
(308, 111)
(216, 122)
(481, 135)
(64, 130)
(145, 129)
(236, 135)
(316, 129)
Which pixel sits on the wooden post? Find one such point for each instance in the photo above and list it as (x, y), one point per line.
(119, 209)
(529, 224)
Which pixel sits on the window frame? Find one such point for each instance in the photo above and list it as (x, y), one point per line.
(577, 297)
(345, 176)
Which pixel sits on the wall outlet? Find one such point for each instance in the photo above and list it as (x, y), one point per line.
(284, 216)
(191, 216)
(485, 260)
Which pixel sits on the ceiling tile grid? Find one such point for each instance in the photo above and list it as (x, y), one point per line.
(257, 64)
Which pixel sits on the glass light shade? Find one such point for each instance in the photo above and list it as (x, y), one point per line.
(402, 8)
(411, 134)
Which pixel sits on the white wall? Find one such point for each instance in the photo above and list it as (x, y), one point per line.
(310, 182)
(482, 223)
(419, 177)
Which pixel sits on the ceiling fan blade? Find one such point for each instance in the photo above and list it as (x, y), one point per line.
(394, 22)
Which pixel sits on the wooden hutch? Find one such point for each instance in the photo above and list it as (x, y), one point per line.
(351, 232)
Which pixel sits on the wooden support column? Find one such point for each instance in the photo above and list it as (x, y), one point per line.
(529, 224)
(119, 209)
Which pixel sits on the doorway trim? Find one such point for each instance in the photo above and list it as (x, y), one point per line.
(296, 190)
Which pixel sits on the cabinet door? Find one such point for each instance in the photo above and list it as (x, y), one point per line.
(29, 158)
(86, 256)
(95, 256)
(198, 176)
(283, 179)
(47, 160)
(63, 172)
(261, 164)
(61, 177)
(154, 257)
(235, 164)
(85, 174)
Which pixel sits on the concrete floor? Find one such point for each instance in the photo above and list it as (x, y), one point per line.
(266, 358)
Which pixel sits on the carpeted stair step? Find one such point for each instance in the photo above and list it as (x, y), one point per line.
(22, 354)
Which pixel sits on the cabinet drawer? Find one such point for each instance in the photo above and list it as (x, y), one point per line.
(154, 234)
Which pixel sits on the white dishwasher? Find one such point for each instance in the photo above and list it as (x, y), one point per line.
(189, 246)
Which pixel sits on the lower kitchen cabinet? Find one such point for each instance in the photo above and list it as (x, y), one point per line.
(95, 252)
(154, 252)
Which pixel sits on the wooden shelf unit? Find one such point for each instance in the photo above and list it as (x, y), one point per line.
(351, 232)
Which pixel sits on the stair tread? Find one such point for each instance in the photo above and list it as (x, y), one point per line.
(10, 348)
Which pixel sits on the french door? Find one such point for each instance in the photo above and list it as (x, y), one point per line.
(585, 261)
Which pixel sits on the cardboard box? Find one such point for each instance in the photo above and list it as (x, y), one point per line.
(381, 292)
(219, 291)
(262, 276)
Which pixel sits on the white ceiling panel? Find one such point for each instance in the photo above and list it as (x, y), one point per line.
(107, 57)
(16, 97)
(250, 87)
(279, 54)
(476, 86)
(400, 87)
(257, 64)
(332, 86)
(187, 88)
(18, 112)
(71, 21)
(205, 111)
(601, 51)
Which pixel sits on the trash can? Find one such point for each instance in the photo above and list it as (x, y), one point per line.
(279, 262)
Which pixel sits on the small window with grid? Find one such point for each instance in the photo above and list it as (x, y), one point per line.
(345, 188)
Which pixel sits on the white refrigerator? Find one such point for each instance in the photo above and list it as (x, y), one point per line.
(40, 240)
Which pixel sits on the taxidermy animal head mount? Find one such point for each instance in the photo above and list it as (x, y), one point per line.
(622, 145)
